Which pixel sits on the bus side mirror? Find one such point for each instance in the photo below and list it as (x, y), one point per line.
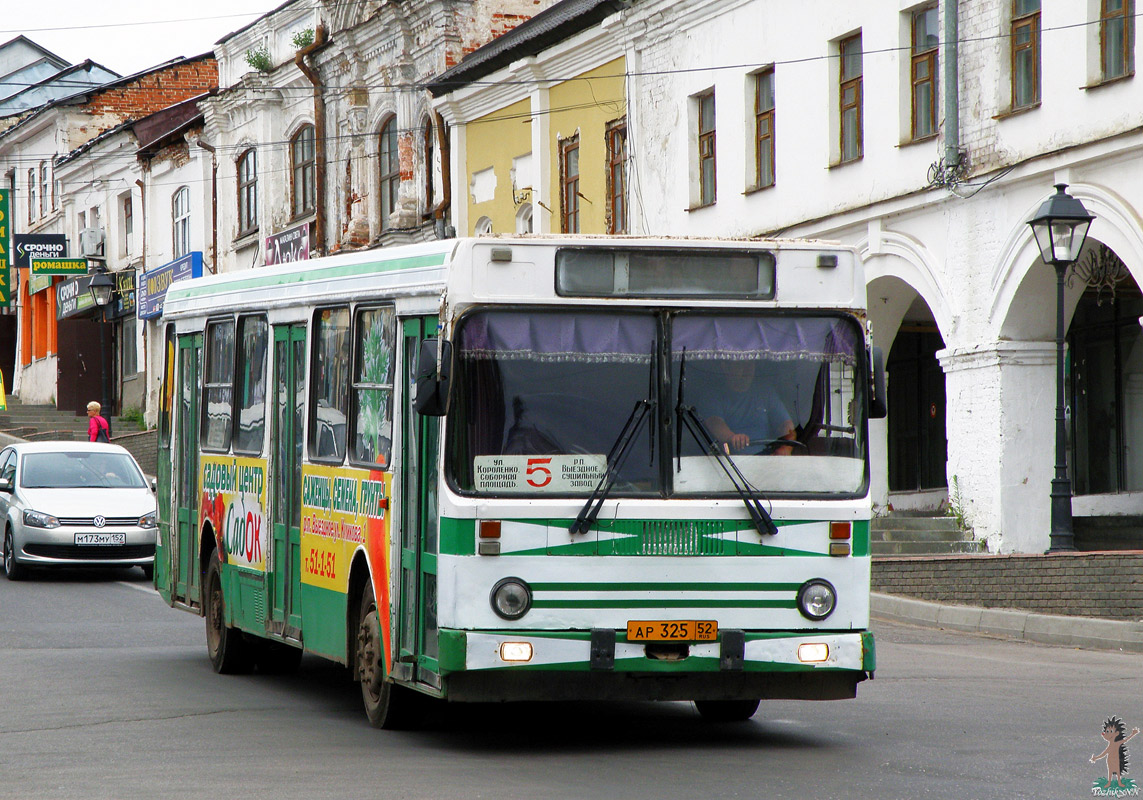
(432, 385)
(878, 402)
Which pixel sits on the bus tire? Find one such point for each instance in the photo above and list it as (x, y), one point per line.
(230, 653)
(726, 710)
(386, 705)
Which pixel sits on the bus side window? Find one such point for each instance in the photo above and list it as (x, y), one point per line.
(329, 385)
(374, 336)
(218, 386)
(167, 389)
(253, 336)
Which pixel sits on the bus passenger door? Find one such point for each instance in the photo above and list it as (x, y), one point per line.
(284, 573)
(417, 614)
(186, 568)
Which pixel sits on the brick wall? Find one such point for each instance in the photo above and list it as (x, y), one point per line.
(1108, 585)
(155, 90)
(144, 446)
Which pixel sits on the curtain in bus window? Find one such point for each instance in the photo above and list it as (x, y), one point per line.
(556, 385)
(218, 386)
(253, 342)
(373, 386)
(329, 376)
(771, 378)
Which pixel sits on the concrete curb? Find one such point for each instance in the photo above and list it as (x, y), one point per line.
(1088, 632)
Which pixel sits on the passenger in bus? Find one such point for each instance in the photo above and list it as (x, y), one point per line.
(746, 415)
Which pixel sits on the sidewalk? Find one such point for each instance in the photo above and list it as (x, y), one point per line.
(1083, 632)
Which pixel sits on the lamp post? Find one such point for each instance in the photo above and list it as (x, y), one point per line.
(102, 288)
(1060, 226)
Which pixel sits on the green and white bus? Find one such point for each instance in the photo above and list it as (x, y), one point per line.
(528, 468)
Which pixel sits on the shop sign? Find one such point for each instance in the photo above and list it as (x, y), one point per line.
(154, 283)
(73, 297)
(292, 244)
(27, 246)
(5, 264)
(58, 266)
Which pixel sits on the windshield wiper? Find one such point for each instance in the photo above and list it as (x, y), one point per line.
(620, 448)
(750, 498)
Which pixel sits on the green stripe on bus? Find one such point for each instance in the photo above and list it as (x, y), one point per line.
(457, 537)
(861, 545)
(325, 273)
(659, 586)
(661, 603)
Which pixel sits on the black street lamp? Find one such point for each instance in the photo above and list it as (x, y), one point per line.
(1060, 226)
(102, 289)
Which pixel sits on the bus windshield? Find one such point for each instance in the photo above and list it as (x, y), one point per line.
(542, 397)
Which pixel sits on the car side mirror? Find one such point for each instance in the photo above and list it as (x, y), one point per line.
(154, 485)
(433, 382)
(878, 402)
(6, 485)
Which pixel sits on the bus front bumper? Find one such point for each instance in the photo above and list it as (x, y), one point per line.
(538, 665)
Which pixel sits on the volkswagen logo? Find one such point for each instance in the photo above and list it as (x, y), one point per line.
(100, 521)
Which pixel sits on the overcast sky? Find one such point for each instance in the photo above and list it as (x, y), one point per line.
(127, 36)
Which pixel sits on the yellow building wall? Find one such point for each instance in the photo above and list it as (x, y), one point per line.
(493, 141)
(586, 106)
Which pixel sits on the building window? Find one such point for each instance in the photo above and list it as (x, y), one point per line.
(926, 40)
(32, 204)
(128, 226)
(1025, 53)
(303, 160)
(1116, 38)
(248, 192)
(569, 185)
(180, 220)
(849, 94)
(45, 189)
(764, 129)
(708, 188)
(128, 346)
(390, 167)
(483, 227)
(617, 176)
(524, 219)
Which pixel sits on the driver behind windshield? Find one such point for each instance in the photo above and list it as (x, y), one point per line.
(744, 412)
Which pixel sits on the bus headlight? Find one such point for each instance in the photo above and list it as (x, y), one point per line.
(511, 598)
(816, 599)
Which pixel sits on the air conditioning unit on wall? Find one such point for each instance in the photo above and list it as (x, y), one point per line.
(91, 242)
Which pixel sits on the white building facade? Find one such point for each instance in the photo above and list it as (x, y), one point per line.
(834, 120)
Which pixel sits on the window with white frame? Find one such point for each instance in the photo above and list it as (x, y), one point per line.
(303, 169)
(126, 223)
(389, 171)
(180, 221)
(248, 192)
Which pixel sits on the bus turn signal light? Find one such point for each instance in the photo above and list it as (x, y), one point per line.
(840, 530)
(489, 529)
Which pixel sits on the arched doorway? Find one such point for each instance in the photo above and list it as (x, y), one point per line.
(918, 447)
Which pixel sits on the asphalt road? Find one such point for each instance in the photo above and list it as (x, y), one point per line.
(107, 693)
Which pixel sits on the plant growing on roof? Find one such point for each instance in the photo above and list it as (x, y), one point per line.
(259, 58)
(303, 39)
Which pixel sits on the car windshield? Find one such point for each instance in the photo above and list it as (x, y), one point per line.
(541, 398)
(80, 470)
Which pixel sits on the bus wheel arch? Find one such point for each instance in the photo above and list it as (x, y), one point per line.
(229, 651)
(387, 705)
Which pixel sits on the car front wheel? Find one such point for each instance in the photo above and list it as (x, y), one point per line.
(12, 569)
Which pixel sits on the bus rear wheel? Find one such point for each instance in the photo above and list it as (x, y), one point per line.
(726, 710)
(386, 704)
(230, 653)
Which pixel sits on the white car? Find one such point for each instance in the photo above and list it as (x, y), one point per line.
(75, 504)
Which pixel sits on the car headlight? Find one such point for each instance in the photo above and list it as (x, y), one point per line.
(38, 519)
(149, 520)
(817, 599)
(511, 598)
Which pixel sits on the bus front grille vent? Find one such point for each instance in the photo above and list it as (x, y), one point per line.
(675, 538)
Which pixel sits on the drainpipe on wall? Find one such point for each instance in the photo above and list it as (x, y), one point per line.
(952, 106)
(213, 205)
(319, 134)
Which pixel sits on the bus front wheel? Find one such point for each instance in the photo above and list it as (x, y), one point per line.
(726, 710)
(386, 704)
(229, 652)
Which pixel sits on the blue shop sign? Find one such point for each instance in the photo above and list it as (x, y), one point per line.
(154, 283)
